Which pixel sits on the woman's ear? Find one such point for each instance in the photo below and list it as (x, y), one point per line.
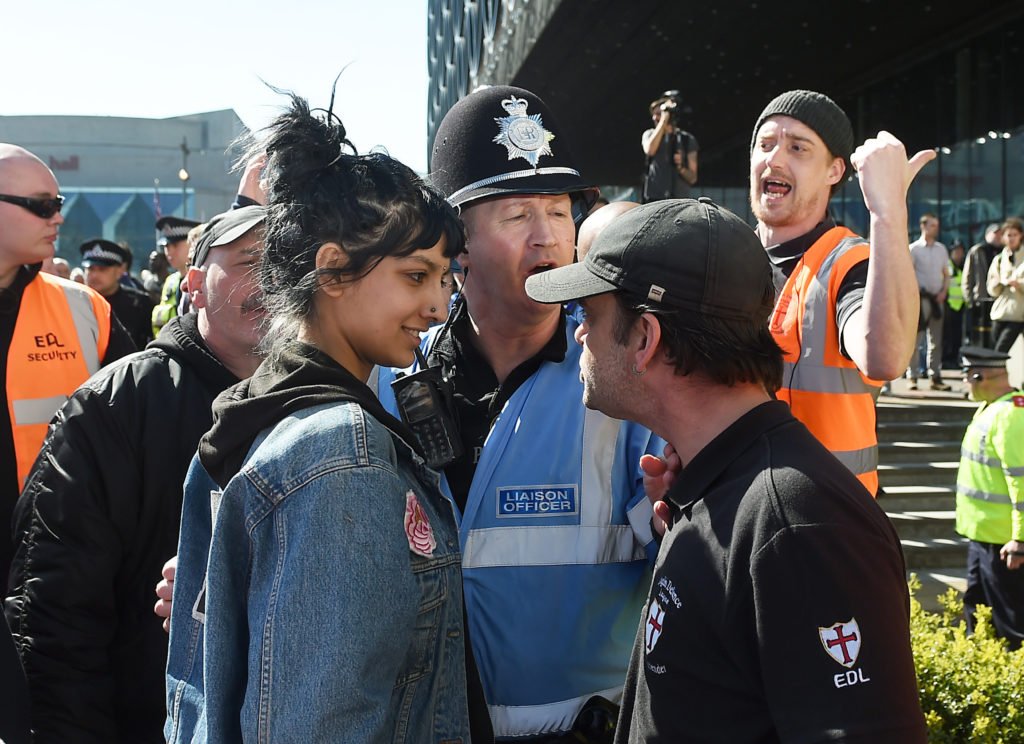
(331, 256)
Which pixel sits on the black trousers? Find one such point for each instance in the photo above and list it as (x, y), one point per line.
(952, 336)
(1004, 333)
(990, 582)
(979, 326)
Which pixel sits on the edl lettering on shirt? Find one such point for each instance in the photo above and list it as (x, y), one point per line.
(842, 642)
(45, 341)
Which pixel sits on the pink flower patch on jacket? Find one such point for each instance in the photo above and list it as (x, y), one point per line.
(417, 527)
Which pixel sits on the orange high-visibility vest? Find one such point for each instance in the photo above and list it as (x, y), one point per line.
(824, 389)
(60, 338)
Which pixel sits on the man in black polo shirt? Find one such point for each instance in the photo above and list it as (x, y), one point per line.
(778, 609)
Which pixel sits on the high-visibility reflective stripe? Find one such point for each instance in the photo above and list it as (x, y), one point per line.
(1014, 472)
(994, 498)
(594, 540)
(813, 328)
(860, 460)
(87, 326)
(600, 434)
(37, 410)
(814, 379)
(992, 462)
(527, 720)
(551, 545)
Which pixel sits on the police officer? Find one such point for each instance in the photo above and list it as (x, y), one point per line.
(104, 262)
(174, 243)
(989, 496)
(953, 317)
(555, 525)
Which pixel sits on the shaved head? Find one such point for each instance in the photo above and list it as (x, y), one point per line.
(12, 156)
(598, 221)
(25, 237)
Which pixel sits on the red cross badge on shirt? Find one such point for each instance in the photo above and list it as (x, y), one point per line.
(842, 641)
(655, 620)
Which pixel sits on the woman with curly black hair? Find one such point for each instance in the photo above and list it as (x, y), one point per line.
(330, 603)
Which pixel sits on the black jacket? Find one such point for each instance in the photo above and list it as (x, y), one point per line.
(97, 520)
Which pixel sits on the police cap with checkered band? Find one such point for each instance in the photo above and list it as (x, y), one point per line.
(503, 140)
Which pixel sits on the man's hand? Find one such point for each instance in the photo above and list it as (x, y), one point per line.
(1013, 554)
(165, 590)
(659, 475)
(251, 184)
(885, 172)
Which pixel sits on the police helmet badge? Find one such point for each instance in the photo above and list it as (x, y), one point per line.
(522, 134)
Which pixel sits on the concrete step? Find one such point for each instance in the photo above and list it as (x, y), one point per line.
(914, 451)
(918, 473)
(921, 431)
(949, 411)
(922, 525)
(918, 498)
(935, 552)
(936, 581)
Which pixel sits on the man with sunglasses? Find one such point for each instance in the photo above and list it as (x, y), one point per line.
(989, 498)
(54, 333)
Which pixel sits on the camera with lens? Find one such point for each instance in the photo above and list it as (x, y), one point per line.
(670, 101)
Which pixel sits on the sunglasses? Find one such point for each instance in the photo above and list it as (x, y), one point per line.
(44, 208)
(972, 376)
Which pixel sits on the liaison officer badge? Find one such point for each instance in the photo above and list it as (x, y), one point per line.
(522, 134)
(842, 641)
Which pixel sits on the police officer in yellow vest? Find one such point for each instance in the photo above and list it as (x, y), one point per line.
(989, 498)
(953, 317)
(174, 243)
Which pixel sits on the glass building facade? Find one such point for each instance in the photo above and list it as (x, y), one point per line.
(966, 102)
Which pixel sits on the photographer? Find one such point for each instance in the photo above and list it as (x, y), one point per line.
(671, 152)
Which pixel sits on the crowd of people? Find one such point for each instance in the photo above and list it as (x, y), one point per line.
(463, 459)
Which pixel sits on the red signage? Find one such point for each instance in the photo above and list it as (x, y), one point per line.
(71, 164)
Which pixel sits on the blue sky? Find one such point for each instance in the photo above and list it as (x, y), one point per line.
(125, 58)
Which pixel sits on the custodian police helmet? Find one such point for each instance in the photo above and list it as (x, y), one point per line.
(503, 140)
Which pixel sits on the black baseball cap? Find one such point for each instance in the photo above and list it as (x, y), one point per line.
(502, 140)
(100, 252)
(979, 356)
(225, 228)
(689, 254)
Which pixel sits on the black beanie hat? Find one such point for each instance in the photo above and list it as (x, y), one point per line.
(817, 111)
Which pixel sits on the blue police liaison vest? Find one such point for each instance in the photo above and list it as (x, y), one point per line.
(557, 549)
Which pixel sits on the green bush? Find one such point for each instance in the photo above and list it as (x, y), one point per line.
(972, 687)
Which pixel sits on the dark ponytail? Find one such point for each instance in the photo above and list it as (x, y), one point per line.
(320, 190)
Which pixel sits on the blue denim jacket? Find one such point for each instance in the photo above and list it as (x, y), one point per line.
(330, 611)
